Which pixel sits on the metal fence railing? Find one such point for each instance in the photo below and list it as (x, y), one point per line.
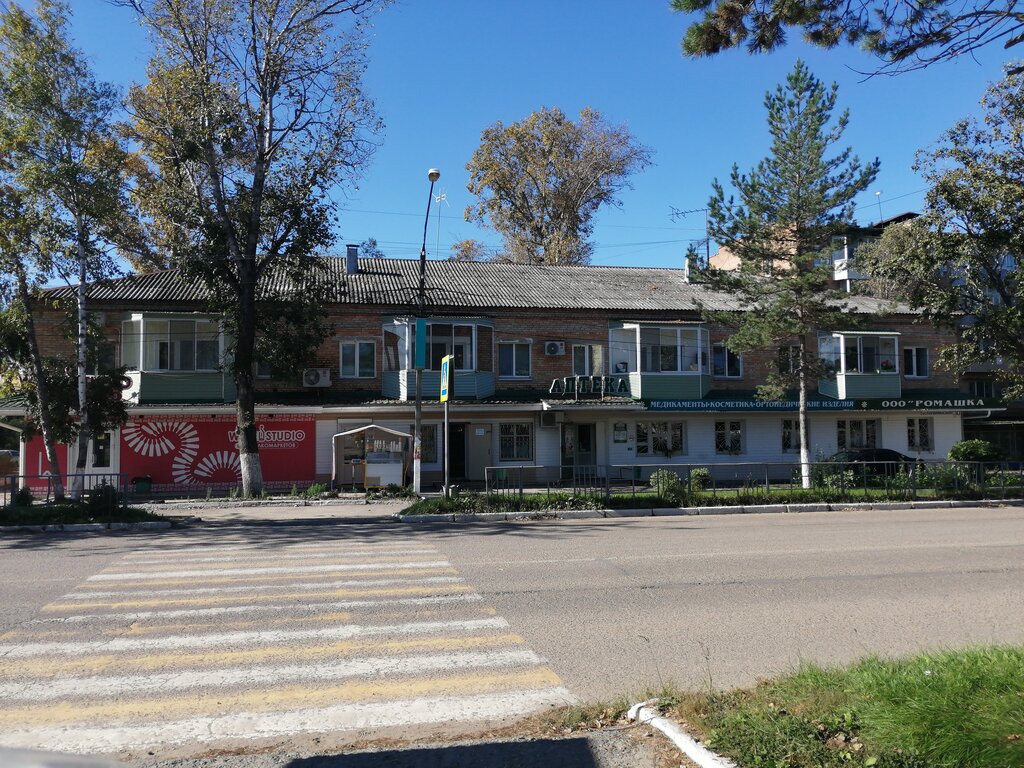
(104, 491)
(763, 481)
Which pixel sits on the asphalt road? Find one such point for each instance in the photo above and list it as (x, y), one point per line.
(201, 628)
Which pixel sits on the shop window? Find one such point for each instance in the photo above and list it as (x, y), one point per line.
(725, 362)
(514, 360)
(428, 442)
(915, 362)
(729, 437)
(666, 438)
(919, 435)
(515, 442)
(358, 360)
(854, 434)
(790, 435)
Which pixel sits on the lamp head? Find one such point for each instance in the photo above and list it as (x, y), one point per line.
(433, 174)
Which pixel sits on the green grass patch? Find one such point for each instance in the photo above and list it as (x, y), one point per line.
(948, 709)
(477, 503)
(70, 513)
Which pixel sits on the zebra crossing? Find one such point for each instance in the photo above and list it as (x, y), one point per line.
(208, 644)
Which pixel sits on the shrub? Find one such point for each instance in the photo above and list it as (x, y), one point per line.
(975, 450)
(314, 491)
(102, 499)
(23, 498)
(700, 478)
(663, 481)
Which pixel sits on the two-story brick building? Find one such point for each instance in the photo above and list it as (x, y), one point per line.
(555, 367)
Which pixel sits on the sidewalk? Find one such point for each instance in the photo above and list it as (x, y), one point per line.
(282, 511)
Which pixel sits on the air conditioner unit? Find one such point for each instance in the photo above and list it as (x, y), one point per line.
(554, 348)
(316, 377)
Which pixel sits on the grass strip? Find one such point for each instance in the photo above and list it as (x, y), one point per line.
(947, 709)
(71, 513)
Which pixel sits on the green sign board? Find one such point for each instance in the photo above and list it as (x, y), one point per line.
(906, 403)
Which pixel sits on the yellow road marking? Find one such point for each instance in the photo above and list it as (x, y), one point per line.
(82, 665)
(244, 597)
(205, 703)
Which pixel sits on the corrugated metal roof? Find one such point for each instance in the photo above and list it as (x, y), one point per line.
(469, 285)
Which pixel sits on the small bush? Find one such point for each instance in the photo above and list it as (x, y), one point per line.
(23, 498)
(700, 478)
(314, 491)
(975, 450)
(663, 480)
(102, 499)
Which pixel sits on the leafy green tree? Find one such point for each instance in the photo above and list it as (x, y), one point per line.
(67, 164)
(368, 249)
(252, 115)
(960, 262)
(539, 182)
(906, 36)
(790, 206)
(471, 250)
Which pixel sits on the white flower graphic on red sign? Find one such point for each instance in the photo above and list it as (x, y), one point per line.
(181, 440)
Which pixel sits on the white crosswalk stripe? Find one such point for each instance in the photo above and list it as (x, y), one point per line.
(199, 644)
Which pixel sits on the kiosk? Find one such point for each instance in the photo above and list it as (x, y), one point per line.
(370, 456)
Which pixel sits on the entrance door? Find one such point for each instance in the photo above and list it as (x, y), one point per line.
(457, 451)
(478, 450)
(579, 448)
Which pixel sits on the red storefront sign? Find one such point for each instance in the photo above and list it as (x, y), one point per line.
(200, 450)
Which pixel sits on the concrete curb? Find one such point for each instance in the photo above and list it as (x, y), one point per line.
(149, 525)
(693, 749)
(596, 514)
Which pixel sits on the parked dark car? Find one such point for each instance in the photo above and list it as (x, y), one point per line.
(876, 461)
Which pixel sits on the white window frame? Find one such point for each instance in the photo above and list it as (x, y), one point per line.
(515, 358)
(911, 372)
(914, 432)
(359, 373)
(141, 321)
(728, 355)
(792, 428)
(588, 359)
(730, 428)
(832, 349)
(521, 431)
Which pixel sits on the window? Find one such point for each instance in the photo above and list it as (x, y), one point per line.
(358, 360)
(919, 435)
(983, 388)
(725, 362)
(915, 362)
(729, 437)
(171, 345)
(428, 442)
(789, 359)
(587, 360)
(515, 442)
(854, 434)
(103, 359)
(263, 370)
(101, 450)
(669, 350)
(790, 435)
(449, 339)
(514, 360)
(661, 437)
(844, 353)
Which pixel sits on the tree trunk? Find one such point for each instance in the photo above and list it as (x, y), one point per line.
(85, 425)
(42, 389)
(248, 449)
(805, 451)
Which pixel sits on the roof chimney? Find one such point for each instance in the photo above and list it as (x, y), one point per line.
(351, 259)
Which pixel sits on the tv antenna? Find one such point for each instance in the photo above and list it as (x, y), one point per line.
(706, 240)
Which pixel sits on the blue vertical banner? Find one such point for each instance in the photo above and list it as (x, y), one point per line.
(421, 343)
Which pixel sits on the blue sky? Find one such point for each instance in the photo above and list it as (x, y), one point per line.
(441, 72)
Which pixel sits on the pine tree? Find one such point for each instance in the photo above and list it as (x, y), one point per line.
(789, 208)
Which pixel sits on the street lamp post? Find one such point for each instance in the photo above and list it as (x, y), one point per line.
(421, 307)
